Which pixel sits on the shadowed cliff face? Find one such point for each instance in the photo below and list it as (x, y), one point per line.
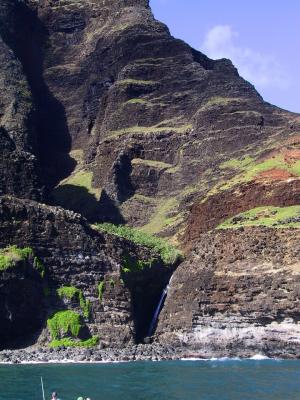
(26, 36)
(22, 305)
(19, 166)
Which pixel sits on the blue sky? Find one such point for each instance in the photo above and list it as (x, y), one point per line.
(261, 37)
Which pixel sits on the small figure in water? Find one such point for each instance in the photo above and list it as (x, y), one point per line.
(54, 396)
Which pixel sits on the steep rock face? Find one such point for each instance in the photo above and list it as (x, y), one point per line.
(236, 294)
(124, 123)
(22, 304)
(149, 118)
(19, 172)
(78, 256)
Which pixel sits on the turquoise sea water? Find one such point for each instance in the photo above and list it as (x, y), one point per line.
(184, 380)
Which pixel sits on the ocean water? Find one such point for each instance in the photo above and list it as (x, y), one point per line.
(182, 380)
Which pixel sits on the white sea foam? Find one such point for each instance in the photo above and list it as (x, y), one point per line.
(259, 357)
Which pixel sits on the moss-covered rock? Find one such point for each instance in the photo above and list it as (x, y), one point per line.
(64, 324)
(72, 293)
(10, 256)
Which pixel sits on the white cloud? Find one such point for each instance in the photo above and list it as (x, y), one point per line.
(263, 70)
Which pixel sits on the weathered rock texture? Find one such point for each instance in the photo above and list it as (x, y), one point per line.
(104, 113)
(76, 255)
(237, 294)
(148, 120)
(18, 141)
(22, 304)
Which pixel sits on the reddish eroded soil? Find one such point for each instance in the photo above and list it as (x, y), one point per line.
(274, 174)
(216, 209)
(292, 155)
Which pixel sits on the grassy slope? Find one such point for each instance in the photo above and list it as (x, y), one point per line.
(275, 217)
(168, 253)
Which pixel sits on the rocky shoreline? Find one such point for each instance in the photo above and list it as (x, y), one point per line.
(150, 352)
(78, 355)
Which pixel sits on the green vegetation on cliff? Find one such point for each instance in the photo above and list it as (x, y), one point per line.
(69, 342)
(132, 265)
(248, 168)
(149, 130)
(80, 179)
(135, 82)
(168, 253)
(161, 216)
(39, 266)
(65, 323)
(11, 255)
(72, 293)
(274, 217)
(251, 167)
(65, 327)
(101, 288)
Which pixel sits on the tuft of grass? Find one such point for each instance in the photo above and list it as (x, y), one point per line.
(149, 130)
(136, 101)
(39, 266)
(274, 217)
(168, 253)
(72, 293)
(101, 288)
(135, 82)
(133, 265)
(151, 163)
(11, 255)
(218, 100)
(64, 323)
(237, 163)
(69, 342)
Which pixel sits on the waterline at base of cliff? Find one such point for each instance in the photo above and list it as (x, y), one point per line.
(141, 352)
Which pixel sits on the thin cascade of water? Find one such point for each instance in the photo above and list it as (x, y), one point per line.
(158, 308)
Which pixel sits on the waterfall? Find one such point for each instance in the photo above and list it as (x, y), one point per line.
(158, 308)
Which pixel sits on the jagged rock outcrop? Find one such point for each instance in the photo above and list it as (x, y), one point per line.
(237, 294)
